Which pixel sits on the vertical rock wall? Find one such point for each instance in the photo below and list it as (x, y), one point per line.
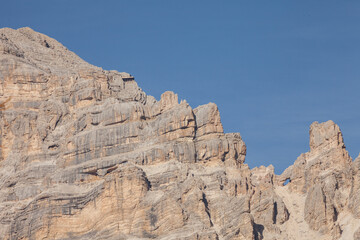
(86, 154)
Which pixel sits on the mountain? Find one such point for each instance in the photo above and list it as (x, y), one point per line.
(86, 154)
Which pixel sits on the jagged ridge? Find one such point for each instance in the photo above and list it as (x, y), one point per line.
(86, 154)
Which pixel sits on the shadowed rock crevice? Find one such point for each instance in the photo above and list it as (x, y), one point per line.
(207, 210)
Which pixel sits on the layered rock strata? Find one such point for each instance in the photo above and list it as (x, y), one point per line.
(86, 154)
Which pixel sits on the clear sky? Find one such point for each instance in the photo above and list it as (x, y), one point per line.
(272, 67)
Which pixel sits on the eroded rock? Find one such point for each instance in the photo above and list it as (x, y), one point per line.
(86, 154)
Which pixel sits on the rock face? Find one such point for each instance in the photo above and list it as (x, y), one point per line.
(86, 154)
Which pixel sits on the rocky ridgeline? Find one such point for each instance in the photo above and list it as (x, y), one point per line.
(86, 154)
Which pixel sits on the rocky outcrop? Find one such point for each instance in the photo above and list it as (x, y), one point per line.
(324, 176)
(354, 199)
(86, 154)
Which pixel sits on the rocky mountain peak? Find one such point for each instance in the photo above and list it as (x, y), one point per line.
(86, 154)
(325, 136)
(38, 53)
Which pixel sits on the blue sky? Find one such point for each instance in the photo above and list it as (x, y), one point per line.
(272, 67)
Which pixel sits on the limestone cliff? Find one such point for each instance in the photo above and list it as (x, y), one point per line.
(86, 154)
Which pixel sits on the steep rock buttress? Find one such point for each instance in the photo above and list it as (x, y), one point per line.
(86, 154)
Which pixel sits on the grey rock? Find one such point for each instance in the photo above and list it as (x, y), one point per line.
(86, 154)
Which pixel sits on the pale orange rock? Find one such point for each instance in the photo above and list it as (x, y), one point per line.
(86, 154)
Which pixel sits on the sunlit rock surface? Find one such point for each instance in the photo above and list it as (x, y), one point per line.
(86, 154)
